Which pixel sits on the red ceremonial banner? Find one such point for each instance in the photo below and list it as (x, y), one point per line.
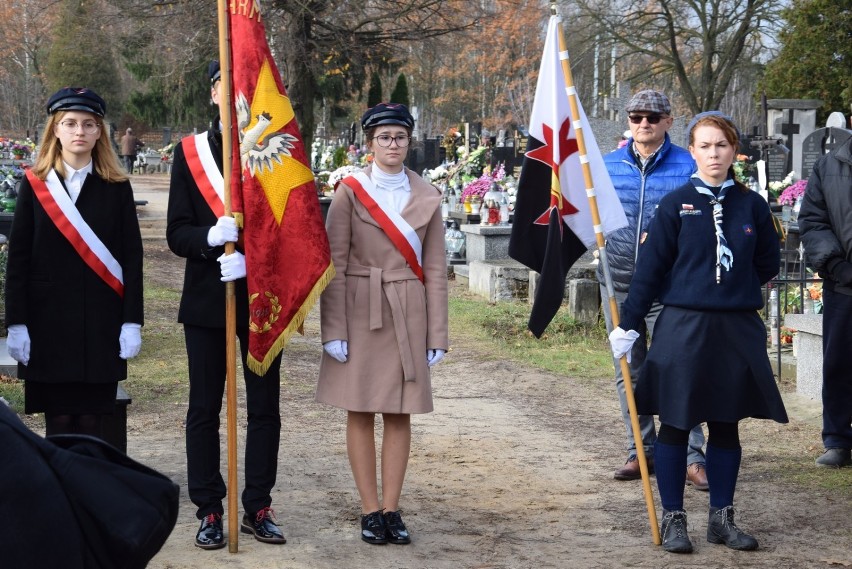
(273, 196)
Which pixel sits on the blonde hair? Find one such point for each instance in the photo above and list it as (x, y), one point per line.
(104, 159)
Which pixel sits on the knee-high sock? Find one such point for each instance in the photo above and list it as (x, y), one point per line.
(670, 467)
(723, 467)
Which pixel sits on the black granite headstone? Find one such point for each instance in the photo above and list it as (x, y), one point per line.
(776, 164)
(504, 155)
(430, 151)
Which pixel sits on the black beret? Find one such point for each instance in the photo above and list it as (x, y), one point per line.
(214, 71)
(76, 99)
(387, 113)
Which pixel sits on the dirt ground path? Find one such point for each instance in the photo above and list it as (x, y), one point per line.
(512, 470)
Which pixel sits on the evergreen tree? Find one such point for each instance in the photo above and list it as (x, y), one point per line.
(400, 92)
(815, 61)
(77, 57)
(374, 95)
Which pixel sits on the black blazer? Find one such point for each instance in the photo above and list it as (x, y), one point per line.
(73, 317)
(189, 220)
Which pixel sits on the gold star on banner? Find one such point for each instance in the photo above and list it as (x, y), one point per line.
(291, 173)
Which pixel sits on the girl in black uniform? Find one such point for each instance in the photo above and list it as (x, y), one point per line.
(74, 277)
(709, 250)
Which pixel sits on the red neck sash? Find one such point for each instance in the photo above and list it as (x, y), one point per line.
(67, 219)
(205, 172)
(401, 234)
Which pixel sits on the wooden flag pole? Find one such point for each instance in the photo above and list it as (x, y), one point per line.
(230, 295)
(613, 305)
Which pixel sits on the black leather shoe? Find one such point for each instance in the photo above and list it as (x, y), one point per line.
(373, 528)
(210, 535)
(263, 526)
(835, 458)
(395, 530)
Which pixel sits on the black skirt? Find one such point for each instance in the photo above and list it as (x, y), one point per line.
(75, 398)
(708, 366)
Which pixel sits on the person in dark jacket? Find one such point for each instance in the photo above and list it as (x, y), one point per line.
(197, 229)
(710, 249)
(825, 224)
(86, 485)
(74, 305)
(643, 170)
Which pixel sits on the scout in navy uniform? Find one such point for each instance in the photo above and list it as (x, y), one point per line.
(74, 276)
(709, 250)
(197, 230)
(645, 169)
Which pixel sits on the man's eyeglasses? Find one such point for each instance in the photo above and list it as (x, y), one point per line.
(652, 119)
(71, 126)
(385, 140)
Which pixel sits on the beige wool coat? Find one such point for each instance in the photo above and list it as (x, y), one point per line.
(376, 303)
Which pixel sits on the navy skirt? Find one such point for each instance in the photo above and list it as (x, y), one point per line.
(708, 366)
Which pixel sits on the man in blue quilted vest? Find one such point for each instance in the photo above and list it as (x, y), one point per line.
(643, 170)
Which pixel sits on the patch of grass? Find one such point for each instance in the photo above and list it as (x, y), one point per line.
(158, 376)
(836, 481)
(12, 390)
(567, 347)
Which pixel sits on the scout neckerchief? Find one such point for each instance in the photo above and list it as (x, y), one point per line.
(67, 219)
(401, 234)
(205, 172)
(724, 256)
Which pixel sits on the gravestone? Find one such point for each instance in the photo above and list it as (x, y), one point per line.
(836, 120)
(416, 159)
(430, 153)
(505, 155)
(776, 163)
(792, 120)
(521, 149)
(820, 142)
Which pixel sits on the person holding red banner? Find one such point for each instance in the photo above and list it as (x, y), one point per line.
(197, 229)
(384, 316)
(74, 305)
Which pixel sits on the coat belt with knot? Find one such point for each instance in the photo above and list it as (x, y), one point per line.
(383, 280)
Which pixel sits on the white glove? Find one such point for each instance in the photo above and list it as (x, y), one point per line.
(18, 343)
(224, 231)
(130, 340)
(338, 349)
(433, 356)
(621, 342)
(233, 266)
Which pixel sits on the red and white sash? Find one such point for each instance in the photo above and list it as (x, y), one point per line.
(67, 219)
(205, 172)
(397, 229)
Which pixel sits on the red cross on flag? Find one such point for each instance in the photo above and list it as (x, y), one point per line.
(553, 221)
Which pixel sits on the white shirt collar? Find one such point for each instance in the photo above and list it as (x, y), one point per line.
(74, 179)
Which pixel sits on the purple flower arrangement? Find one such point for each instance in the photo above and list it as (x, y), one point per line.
(792, 192)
